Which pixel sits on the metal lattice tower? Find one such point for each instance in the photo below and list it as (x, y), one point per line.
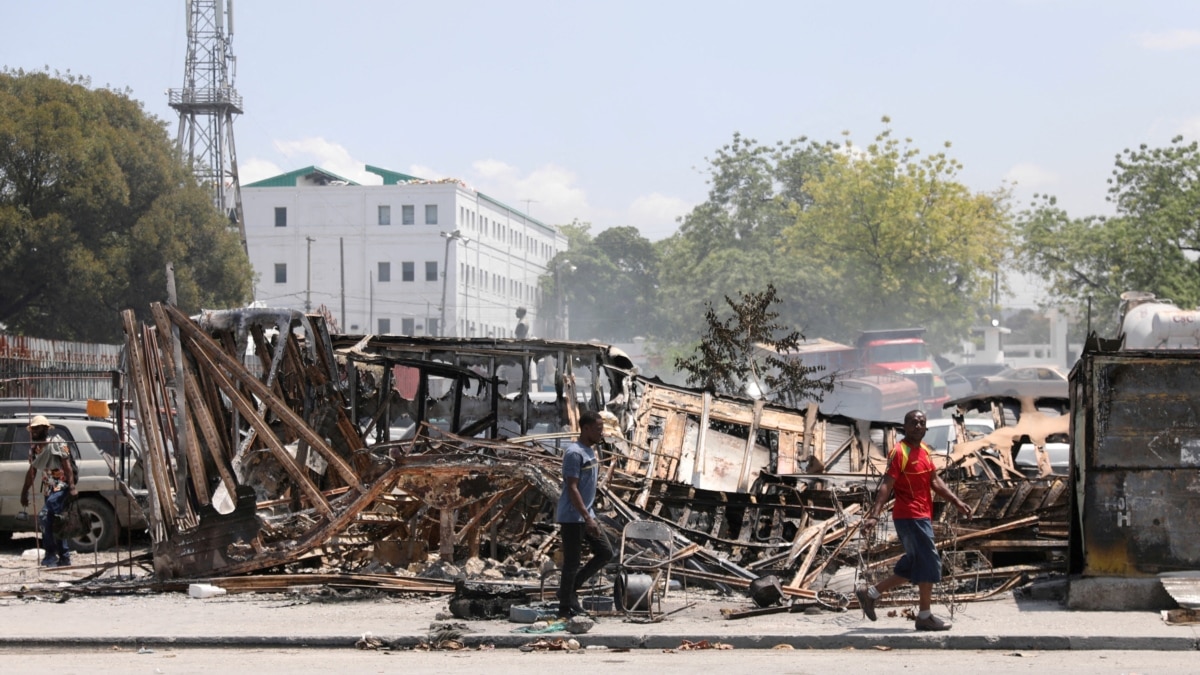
(207, 103)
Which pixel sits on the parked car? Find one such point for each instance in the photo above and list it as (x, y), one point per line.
(957, 386)
(1059, 454)
(1035, 381)
(95, 443)
(976, 371)
(939, 433)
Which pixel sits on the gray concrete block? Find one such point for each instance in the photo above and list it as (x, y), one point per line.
(1118, 594)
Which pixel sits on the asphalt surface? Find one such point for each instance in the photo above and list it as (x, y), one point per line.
(39, 609)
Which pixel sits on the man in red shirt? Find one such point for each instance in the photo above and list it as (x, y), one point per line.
(911, 475)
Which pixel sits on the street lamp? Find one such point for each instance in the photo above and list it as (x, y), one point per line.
(450, 237)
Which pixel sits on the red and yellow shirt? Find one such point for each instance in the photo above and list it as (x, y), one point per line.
(913, 480)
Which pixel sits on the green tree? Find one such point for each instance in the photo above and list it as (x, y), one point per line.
(747, 351)
(898, 241)
(733, 241)
(609, 284)
(94, 202)
(1150, 245)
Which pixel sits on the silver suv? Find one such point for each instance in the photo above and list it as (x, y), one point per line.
(106, 504)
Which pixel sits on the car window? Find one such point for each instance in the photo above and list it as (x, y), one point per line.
(938, 437)
(18, 446)
(978, 429)
(106, 439)
(6, 441)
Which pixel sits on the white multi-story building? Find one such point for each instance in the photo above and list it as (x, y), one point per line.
(407, 257)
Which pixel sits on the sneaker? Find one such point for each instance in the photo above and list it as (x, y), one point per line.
(50, 561)
(866, 602)
(932, 623)
(64, 561)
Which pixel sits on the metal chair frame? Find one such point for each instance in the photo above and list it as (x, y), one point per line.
(648, 560)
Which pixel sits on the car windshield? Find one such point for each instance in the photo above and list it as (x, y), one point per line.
(899, 352)
(938, 437)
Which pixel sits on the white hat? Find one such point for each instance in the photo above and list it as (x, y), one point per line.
(39, 421)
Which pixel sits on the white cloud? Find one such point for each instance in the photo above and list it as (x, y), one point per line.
(256, 169)
(548, 193)
(328, 156)
(552, 194)
(1190, 128)
(1028, 175)
(1169, 40)
(656, 214)
(428, 173)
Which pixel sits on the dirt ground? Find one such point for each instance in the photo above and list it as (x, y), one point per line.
(19, 558)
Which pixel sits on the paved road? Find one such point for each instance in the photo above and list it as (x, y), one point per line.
(757, 661)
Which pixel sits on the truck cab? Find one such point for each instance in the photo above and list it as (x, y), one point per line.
(904, 352)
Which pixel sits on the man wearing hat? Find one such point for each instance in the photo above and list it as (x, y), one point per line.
(50, 455)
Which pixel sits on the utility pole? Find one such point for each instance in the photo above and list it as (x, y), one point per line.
(308, 280)
(207, 103)
(450, 237)
(342, 265)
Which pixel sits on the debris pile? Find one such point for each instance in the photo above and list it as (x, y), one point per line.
(408, 463)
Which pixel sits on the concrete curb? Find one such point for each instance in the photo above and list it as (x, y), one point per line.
(941, 641)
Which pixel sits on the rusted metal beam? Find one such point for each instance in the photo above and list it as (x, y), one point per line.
(247, 410)
(205, 345)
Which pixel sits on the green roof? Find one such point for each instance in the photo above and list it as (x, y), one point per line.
(391, 177)
(289, 179)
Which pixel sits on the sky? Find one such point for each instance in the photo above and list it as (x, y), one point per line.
(606, 112)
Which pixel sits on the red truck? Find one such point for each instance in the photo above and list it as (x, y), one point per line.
(862, 392)
(886, 374)
(904, 352)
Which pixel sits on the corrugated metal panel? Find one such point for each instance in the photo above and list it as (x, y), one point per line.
(39, 368)
(1138, 456)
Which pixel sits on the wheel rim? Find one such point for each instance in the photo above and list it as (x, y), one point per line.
(93, 530)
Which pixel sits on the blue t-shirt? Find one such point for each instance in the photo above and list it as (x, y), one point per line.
(579, 461)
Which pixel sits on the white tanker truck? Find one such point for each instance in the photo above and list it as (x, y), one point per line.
(1150, 323)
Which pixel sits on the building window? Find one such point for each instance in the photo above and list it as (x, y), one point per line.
(431, 214)
(408, 271)
(280, 216)
(434, 326)
(408, 214)
(281, 273)
(385, 326)
(431, 270)
(385, 214)
(385, 271)
(408, 326)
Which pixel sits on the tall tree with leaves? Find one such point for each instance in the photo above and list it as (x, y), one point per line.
(609, 283)
(94, 202)
(1152, 244)
(899, 241)
(748, 349)
(733, 241)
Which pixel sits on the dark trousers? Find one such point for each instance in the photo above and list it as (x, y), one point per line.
(54, 505)
(573, 578)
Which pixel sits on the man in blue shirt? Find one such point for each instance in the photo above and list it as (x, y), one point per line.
(577, 521)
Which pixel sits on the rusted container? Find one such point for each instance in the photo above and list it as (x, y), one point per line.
(1135, 432)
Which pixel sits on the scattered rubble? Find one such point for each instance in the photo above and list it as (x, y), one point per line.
(278, 455)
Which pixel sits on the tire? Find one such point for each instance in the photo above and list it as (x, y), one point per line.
(101, 523)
